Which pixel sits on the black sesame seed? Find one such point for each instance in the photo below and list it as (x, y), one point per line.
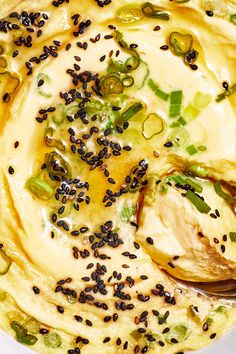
(213, 335)
(193, 66)
(222, 248)
(36, 290)
(168, 144)
(102, 58)
(11, 170)
(225, 85)
(60, 309)
(162, 344)
(150, 241)
(209, 13)
(164, 47)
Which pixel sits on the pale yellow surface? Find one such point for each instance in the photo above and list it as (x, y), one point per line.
(38, 259)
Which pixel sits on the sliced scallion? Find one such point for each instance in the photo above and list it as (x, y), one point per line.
(221, 193)
(181, 122)
(199, 204)
(175, 103)
(190, 113)
(52, 340)
(178, 332)
(225, 94)
(183, 180)
(156, 90)
(127, 212)
(197, 170)
(130, 112)
(178, 179)
(202, 100)
(198, 188)
(202, 148)
(179, 137)
(192, 150)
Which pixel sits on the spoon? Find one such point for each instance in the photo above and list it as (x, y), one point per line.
(223, 289)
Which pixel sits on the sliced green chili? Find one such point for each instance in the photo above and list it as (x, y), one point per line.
(233, 19)
(57, 166)
(130, 112)
(133, 62)
(192, 150)
(5, 262)
(60, 114)
(52, 340)
(152, 125)
(221, 193)
(117, 66)
(40, 188)
(199, 204)
(155, 89)
(179, 43)
(53, 142)
(9, 83)
(226, 93)
(22, 335)
(232, 236)
(111, 84)
(129, 14)
(175, 103)
(41, 90)
(221, 309)
(152, 11)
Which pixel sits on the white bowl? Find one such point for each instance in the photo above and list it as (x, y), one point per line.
(225, 345)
